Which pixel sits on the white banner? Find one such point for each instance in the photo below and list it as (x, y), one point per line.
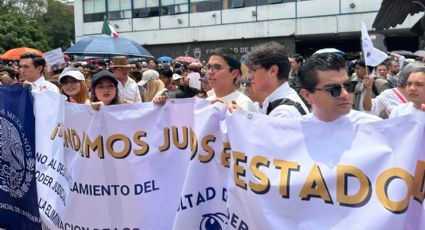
(118, 168)
(173, 167)
(306, 175)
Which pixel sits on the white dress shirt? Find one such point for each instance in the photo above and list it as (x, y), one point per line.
(130, 91)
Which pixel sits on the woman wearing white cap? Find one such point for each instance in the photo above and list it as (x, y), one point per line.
(74, 86)
(153, 86)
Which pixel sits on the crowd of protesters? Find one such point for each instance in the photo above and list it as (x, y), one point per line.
(269, 81)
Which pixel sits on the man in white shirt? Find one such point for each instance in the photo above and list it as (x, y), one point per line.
(31, 69)
(223, 71)
(415, 92)
(127, 87)
(269, 68)
(327, 88)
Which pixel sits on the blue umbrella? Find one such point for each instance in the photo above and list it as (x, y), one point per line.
(106, 46)
(164, 59)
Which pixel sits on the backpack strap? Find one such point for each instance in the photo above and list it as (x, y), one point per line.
(400, 97)
(285, 101)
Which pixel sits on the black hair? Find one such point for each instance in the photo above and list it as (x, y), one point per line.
(362, 63)
(269, 54)
(308, 73)
(229, 56)
(166, 71)
(298, 58)
(37, 60)
(178, 71)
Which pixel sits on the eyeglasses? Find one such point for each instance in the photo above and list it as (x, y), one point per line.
(253, 70)
(214, 67)
(245, 82)
(335, 90)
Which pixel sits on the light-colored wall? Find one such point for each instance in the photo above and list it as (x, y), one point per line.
(294, 18)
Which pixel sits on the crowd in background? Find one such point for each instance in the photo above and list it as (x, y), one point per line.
(223, 78)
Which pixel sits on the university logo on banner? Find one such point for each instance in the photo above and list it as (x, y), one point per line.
(18, 197)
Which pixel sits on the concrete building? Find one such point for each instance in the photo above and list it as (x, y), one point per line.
(195, 27)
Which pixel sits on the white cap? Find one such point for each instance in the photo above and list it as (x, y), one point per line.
(72, 73)
(176, 76)
(148, 75)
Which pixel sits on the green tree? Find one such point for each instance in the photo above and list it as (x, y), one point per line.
(58, 24)
(17, 31)
(29, 8)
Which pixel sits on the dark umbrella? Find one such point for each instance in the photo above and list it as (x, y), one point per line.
(106, 46)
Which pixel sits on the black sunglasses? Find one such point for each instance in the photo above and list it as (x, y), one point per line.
(335, 90)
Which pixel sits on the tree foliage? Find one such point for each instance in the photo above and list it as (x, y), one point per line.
(17, 31)
(40, 24)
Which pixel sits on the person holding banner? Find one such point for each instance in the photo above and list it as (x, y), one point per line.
(224, 69)
(327, 88)
(74, 86)
(415, 88)
(104, 90)
(31, 69)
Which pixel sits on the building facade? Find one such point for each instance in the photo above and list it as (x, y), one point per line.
(195, 27)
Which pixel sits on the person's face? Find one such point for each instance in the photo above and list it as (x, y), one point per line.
(262, 79)
(71, 86)
(28, 71)
(382, 70)
(325, 106)
(394, 67)
(294, 64)
(152, 64)
(105, 91)
(86, 72)
(166, 80)
(416, 88)
(360, 71)
(220, 77)
(121, 72)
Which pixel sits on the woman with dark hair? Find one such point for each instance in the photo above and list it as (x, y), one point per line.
(74, 87)
(104, 90)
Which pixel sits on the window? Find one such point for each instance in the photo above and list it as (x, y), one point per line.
(119, 9)
(145, 8)
(205, 5)
(94, 10)
(274, 1)
(238, 3)
(171, 7)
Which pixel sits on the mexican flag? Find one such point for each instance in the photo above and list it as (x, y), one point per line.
(108, 29)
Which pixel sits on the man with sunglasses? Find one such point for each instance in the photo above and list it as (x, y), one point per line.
(326, 86)
(269, 68)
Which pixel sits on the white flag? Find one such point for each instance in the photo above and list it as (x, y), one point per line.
(372, 56)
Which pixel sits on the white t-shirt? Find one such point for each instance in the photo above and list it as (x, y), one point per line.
(387, 101)
(404, 109)
(241, 99)
(288, 111)
(130, 91)
(354, 116)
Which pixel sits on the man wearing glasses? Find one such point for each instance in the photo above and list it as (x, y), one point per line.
(326, 86)
(223, 71)
(269, 68)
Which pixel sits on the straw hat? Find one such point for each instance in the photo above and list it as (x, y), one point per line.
(120, 61)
